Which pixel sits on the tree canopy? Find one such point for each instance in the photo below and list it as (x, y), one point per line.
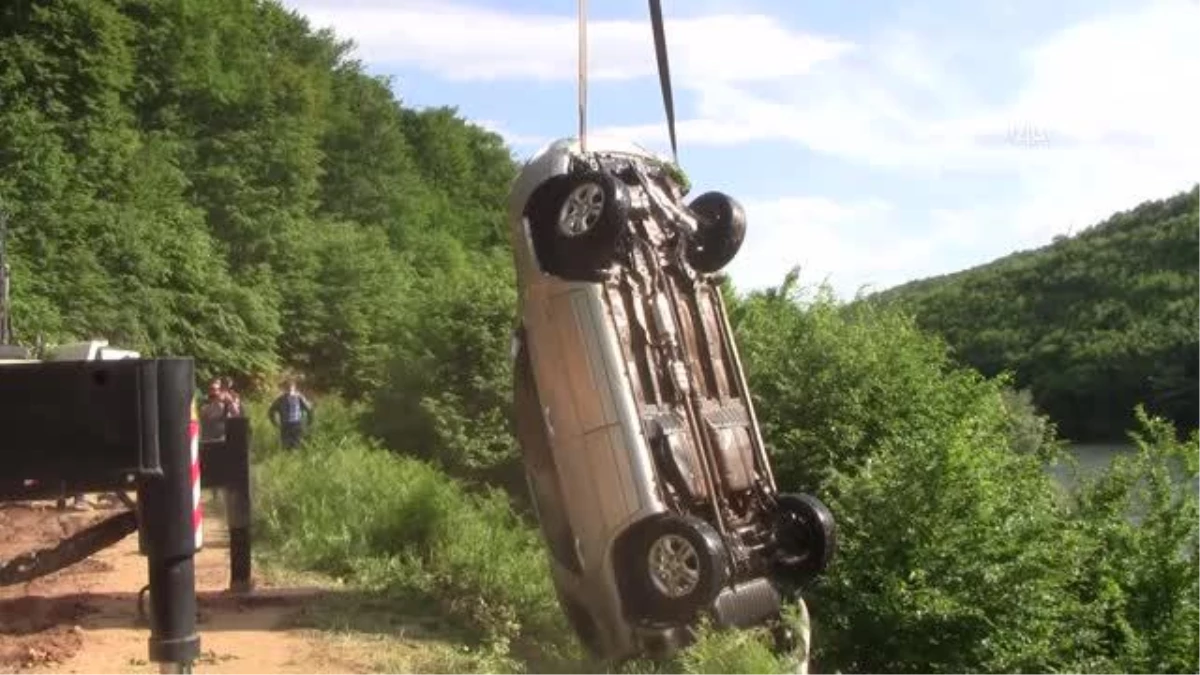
(1092, 324)
(216, 179)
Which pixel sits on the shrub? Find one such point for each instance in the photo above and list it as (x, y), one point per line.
(942, 527)
(1029, 431)
(349, 508)
(958, 552)
(1136, 571)
(449, 386)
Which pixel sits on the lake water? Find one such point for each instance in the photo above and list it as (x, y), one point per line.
(1095, 457)
(1092, 458)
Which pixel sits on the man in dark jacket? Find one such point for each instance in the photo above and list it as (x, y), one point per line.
(291, 413)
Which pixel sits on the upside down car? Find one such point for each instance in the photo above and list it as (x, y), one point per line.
(643, 456)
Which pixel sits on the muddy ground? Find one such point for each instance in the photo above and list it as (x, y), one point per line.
(84, 618)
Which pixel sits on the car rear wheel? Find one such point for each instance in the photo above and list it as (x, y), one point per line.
(806, 534)
(721, 231)
(578, 219)
(677, 567)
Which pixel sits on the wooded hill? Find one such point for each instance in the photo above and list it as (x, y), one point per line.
(1092, 324)
(215, 179)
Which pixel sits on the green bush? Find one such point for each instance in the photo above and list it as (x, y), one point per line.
(344, 506)
(958, 552)
(1136, 571)
(449, 386)
(349, 508)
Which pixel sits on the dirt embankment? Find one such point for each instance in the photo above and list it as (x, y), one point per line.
(85, 619)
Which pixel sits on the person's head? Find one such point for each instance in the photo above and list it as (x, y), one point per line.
(214, 389)
(289, 386)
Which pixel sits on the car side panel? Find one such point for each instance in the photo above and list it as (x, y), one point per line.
(600, 450)
(589, 461)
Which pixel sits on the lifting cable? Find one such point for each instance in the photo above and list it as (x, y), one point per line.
(664, 71)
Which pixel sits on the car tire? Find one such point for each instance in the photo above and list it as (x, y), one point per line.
(806, 535)
(721, 230)
(578, 219)
(677, 567)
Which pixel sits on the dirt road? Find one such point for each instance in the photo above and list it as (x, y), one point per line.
(84, 618)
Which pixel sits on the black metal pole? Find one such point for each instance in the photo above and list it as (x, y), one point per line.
(170, 521)
(237, 502)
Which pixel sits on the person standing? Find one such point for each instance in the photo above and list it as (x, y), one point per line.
(291, 413)
(215, 409)
(235, 399)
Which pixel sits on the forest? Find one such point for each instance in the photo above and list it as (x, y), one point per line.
(1092, 324)
(217, 179)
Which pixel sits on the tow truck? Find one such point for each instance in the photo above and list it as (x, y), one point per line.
(88, 417)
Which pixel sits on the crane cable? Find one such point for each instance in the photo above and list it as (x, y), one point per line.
(664, 72)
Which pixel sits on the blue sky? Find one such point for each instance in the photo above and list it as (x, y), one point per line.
(871, 142)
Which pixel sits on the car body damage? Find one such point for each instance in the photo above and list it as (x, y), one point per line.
(645, 463)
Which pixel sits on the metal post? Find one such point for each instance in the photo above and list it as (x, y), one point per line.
(170, 521)
(237, 502)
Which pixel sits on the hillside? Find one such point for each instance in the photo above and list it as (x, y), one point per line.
(1092, 324)
(218, 180)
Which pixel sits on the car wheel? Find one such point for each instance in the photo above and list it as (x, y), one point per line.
(720, 233)
(678, 567)
(579, 218)
(806, 535)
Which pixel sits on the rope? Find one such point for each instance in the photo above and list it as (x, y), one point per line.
(583, 75)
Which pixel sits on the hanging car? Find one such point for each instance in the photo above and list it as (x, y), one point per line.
(644, 459)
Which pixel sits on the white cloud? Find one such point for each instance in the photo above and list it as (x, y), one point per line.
(854, 246)
(808, 232)
(463, 42)
(1102, 117)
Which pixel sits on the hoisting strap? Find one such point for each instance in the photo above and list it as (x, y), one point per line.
(583, 75)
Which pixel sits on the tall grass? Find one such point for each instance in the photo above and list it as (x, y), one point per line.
(345, 506)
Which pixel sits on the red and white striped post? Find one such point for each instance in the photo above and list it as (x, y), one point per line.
(197, 506)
